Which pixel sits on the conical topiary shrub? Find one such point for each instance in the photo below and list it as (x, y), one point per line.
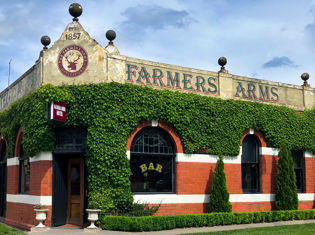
(219, 196)
(286, 193)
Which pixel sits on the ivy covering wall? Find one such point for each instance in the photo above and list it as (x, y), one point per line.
(111, 111)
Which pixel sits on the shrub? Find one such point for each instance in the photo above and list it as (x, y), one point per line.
(163, 222)
(138, 209)
(286, 194)
(219, 196)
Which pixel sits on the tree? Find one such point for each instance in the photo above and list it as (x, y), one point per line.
(219, 197)
(286, 193)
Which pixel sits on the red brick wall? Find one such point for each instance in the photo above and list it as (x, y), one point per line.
(40, 178)
(23, 215)
(197, 208)
(196, 178)
(252, 206)
(303, 205)
(268, 173)
(12, 179)
(193, 178)
(309, 175)
(182, 208)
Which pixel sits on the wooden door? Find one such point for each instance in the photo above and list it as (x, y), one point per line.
(75, 210)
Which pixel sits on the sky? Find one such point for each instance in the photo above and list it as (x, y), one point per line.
(266, 39)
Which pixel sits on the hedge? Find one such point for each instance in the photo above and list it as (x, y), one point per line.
(165, 222)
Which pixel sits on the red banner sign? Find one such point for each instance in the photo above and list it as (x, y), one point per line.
(58, 111)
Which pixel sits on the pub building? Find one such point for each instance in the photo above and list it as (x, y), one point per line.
(162, 172)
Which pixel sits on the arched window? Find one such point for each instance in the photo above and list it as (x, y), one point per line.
(298, 161)
(152, 161)
(250, 164)
(24, 172)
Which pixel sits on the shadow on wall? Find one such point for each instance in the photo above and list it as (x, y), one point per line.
(210, 180)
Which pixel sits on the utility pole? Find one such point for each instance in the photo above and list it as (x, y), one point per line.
(9, 72)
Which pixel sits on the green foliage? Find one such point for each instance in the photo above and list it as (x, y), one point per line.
(298, 229)
(111, 111)
(286, 194)
(9, 231)
(165, 222)
(139, 209)
(219, 197)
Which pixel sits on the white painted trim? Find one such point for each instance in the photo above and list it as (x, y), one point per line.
(251, 131)
(207, 158)
(13, 161)
(306, 196)
(128, 154)
(252, 197)
(155, 123)
(43, 156)
(308, 154)
(204, 198)
(268, 151)
(30, 199)
(171, 198)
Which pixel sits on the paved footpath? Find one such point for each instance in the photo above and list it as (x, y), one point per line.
(72, 231)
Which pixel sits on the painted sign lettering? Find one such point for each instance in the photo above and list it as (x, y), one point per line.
(171, 79)
(151, 167)
(253, 91)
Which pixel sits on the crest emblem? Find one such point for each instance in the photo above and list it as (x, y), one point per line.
(72, 61)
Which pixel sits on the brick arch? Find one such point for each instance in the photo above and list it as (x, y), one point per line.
(260, 137)
(18, 141)
(177, 143)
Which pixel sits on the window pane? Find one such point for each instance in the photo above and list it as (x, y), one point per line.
(75, 179)
(299, 169)
(24, 171)
(299, 179)
(250, 149)
(250, 177)
(151, 174)
(152, 140)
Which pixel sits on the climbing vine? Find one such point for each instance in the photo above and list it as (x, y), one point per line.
(111, 111)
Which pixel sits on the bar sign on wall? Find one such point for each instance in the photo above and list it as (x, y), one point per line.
(57, 111)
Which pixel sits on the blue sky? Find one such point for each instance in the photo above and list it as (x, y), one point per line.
(270, 40)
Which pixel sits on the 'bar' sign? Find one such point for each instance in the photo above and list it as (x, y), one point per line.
(57, 111)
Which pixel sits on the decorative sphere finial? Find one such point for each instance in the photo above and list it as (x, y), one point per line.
(110, 35)
(75, 9)
(305, 77)
(222, 61)
(45, 40)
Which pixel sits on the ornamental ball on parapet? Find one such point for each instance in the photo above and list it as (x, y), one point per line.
(222, 61)
(305, 77)
(45, 40)
(75, 9)
(110, 35)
